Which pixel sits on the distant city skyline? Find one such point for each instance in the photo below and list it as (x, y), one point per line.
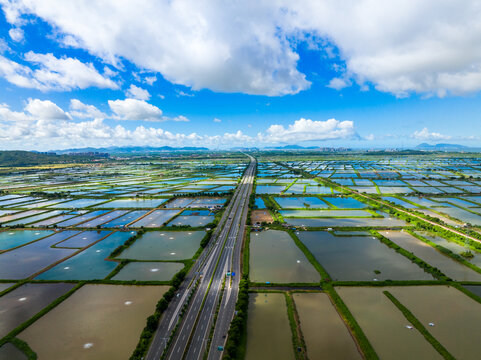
(357, 74)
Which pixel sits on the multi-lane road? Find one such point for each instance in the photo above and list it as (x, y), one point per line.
(222, 256)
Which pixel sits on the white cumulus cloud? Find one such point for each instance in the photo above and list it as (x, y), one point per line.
(219, 45)
(425, 134)
(51, 73)
(133, 109)
(136, 92)
(307, 129)
(45, 110)
(16, 34)
(80, 110)
(429, 46)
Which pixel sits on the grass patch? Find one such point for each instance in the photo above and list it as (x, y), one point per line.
(341, 307)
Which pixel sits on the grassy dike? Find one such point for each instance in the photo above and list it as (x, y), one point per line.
(300, 349)
(324, 274)
(22, 345)
(421, 263)
(447, 252)
(362, 340)
(420, 327)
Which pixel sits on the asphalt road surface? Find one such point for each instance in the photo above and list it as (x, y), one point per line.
(221, 256)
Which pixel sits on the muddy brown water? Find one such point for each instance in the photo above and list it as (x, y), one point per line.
(268, 330)
(325, 333)
(96, 322)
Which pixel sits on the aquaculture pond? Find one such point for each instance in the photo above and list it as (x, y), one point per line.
(475, 289)
(325, 213)
(359, 258)
(104, 218)
(345, 222)
(77, 204)
(269, 189)
(325, 333)
(79, 220)
(13, 238)
(133, 203)
(301, 202)
(191, 220)
(345, 202)
(275, 258)
(4, 286)
(203, 202)
(20, 215)
(21, 304)
(149, 271)
(384, 325)
(460, 214)
(11, 352)
(156, 218)
(268, 329)
(90, 263)
(447, 265)
(400, 202)
(31, 258)
(35, 218)
(83, 239)
(164, 245)
(91, 323)
(125, 219)
(455, 316)
(53, 220)
(260, 203)
(453, 246)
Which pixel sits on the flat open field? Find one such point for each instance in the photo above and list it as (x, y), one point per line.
(261, 216)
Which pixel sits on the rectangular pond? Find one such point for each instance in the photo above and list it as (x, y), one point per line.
(325, 213)
(456, 317)
(345, 202)
(31, 258)
(164, 245)
(359, 258)
(13, 238)
(89, 264)
(125, 219)
(275, 258)
(325, 333)
(268, 329)
(384, 325)
(25, 301)
(301, 202)
(132, 203)
(447, 265)
(156, 218)
(192, 220)
(148, 271)
(83, 239)
(344, 222)
(91, 323)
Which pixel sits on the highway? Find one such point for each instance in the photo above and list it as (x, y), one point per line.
(190, 338)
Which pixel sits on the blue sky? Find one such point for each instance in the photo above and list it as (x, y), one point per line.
(252, 74)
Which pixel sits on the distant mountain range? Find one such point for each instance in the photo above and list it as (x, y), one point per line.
(446, 147)
(150, 149)
(130, 149)
(291, 147)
